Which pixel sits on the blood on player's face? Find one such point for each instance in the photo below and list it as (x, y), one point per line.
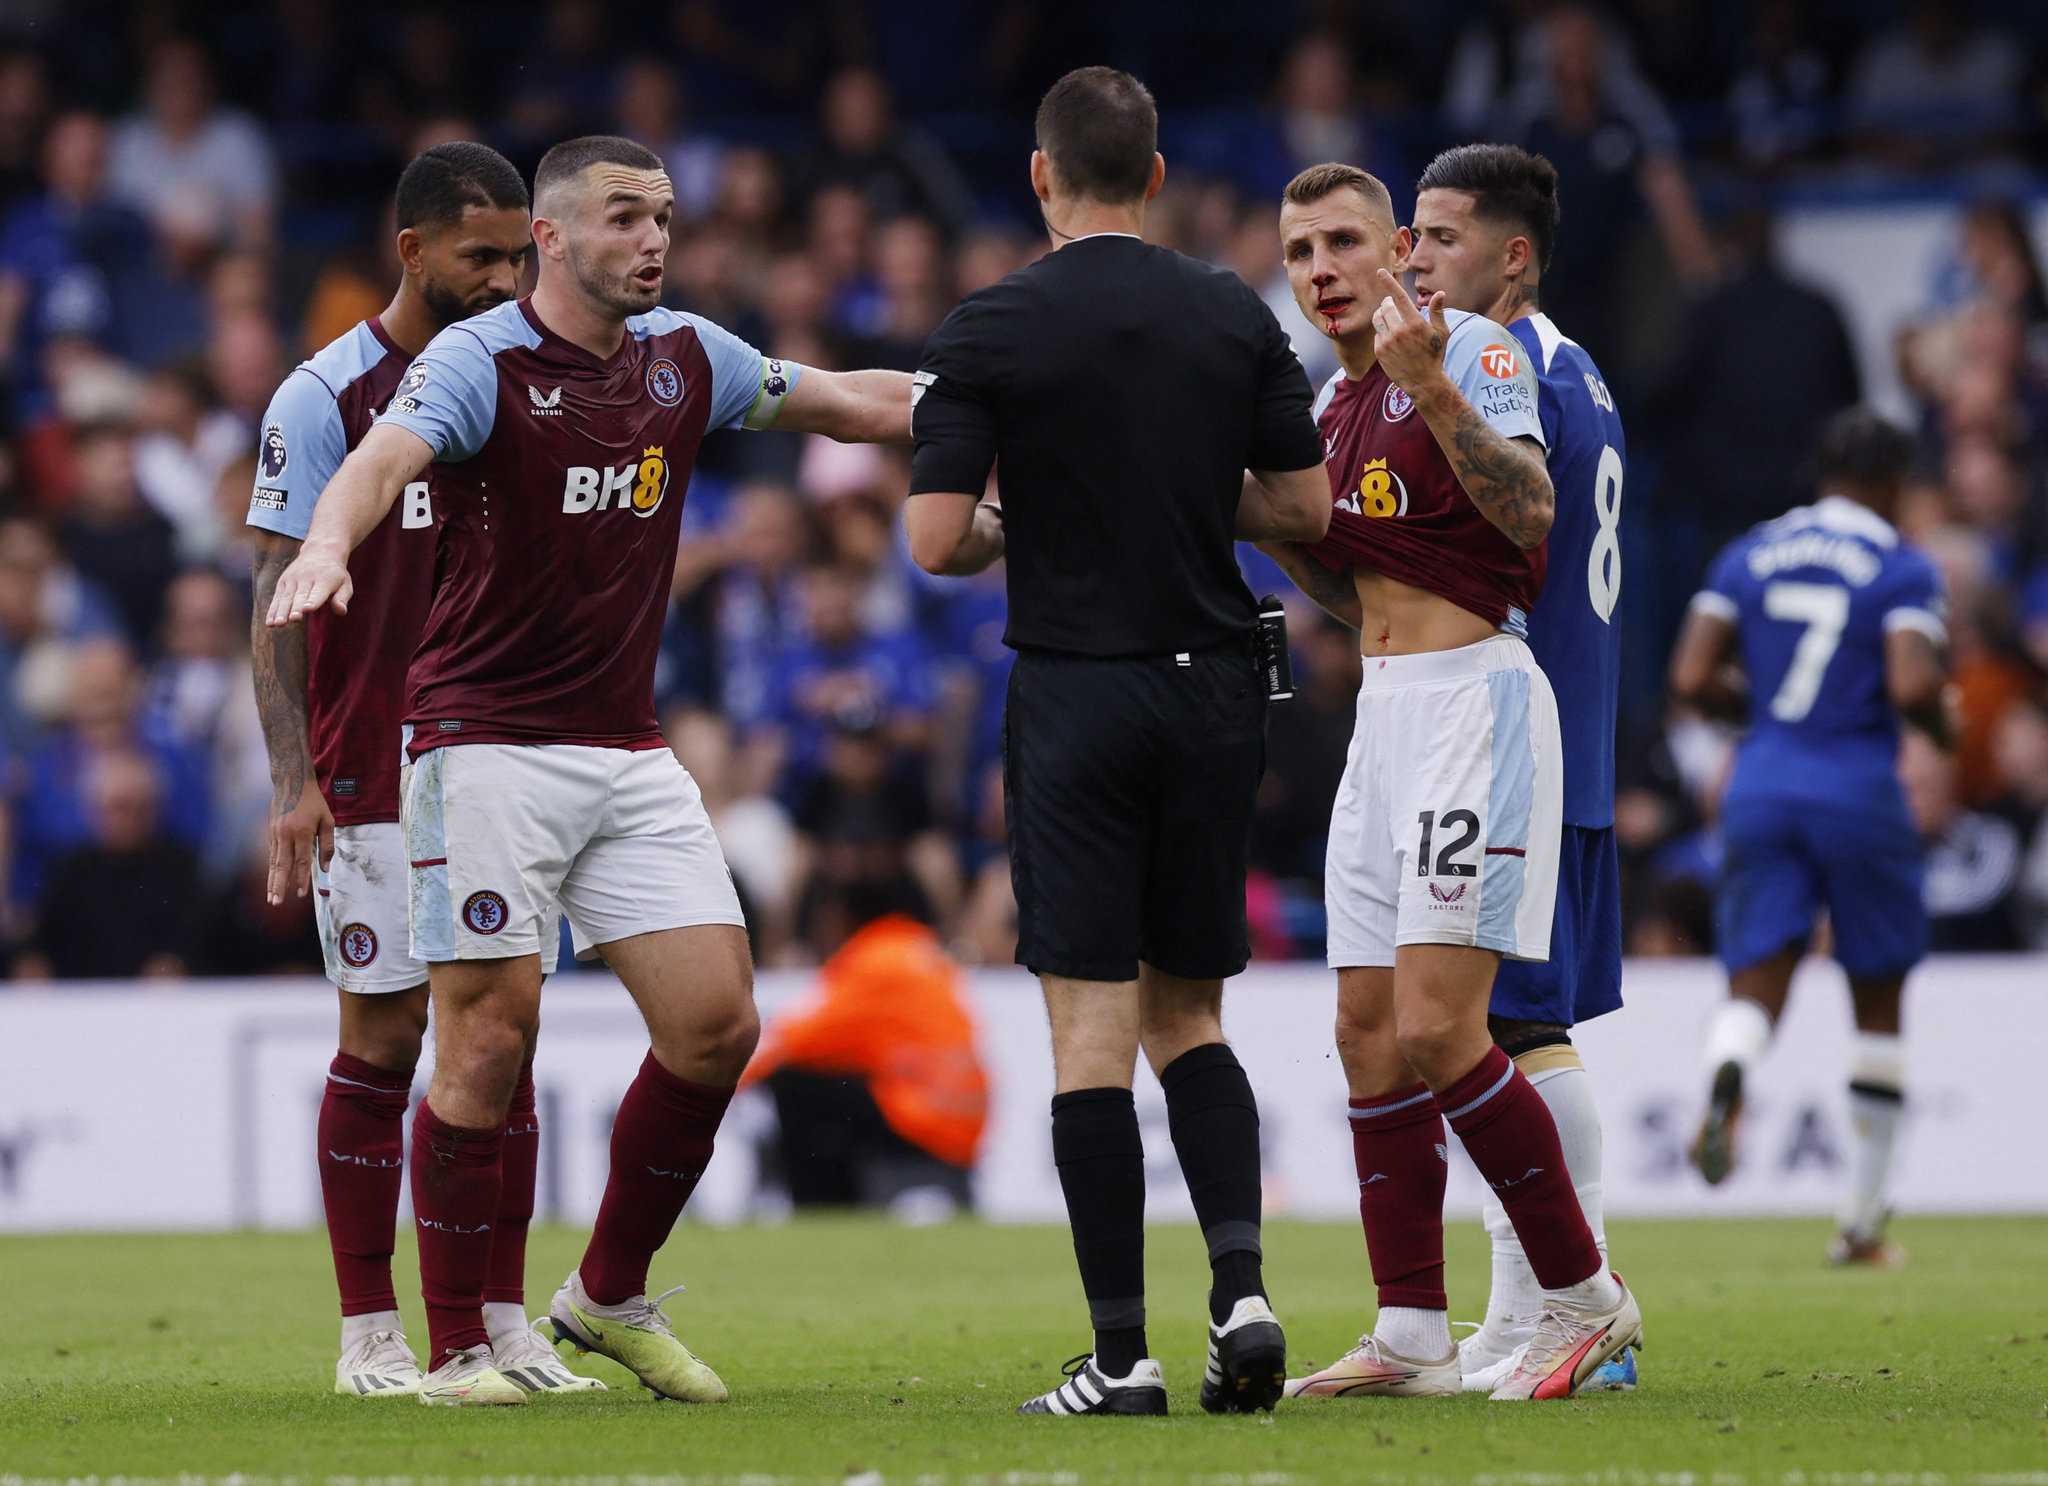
(467, 268)
(1334, 249)
(617, 236)
(1457, 254)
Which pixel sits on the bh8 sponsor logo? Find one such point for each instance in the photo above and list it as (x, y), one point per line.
(639, 487)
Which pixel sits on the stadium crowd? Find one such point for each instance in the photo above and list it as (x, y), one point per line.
(189, 205)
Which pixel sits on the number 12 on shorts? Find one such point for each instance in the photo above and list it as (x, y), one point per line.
(1447, 864)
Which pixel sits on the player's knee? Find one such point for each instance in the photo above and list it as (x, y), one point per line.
(727, 1038)
(484, 1061)
(1439, 1054)
(385, 1031)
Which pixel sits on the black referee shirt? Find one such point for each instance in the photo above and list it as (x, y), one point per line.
(1121, 390)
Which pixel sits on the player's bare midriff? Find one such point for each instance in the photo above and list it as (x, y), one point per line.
(1401, 619)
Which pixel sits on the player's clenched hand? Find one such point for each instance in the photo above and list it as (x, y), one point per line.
(1409, 343)
(310, 581)
(300, 825)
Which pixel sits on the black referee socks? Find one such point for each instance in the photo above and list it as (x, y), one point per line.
(1215, 1124)
(1101, 1157)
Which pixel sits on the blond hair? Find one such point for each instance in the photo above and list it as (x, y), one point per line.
(1318, 181)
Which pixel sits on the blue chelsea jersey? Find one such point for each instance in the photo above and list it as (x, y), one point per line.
(1575, 627)
(1812, 596)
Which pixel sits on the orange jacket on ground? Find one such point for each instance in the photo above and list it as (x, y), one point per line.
(890, 1007)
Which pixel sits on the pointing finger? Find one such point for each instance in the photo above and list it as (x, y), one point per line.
(1399, 298)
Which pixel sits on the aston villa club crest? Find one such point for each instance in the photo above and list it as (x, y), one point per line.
(358, 945)
(484, 912)
(665, 383)
(1397, 405)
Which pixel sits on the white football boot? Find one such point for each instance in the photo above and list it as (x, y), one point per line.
(1371, 1370)
(469, 1380)
(381, 1365)
(528, 1359)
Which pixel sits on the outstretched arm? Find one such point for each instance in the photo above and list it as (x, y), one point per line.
(1334, 593)
(355, 500)
(1507, 479)
(1703, 673)
(856, 407)
(300, 822)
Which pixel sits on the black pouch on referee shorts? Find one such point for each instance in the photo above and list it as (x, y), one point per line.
(1276, 666)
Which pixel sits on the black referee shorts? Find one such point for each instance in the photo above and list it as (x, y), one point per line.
(1130, 785)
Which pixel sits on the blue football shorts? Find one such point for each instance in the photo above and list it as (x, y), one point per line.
(1786, 859)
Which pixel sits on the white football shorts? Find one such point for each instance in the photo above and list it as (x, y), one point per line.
(360, 903)
(1445, 828)
(499, 833)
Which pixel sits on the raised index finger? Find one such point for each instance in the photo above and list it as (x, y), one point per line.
(1399, 294)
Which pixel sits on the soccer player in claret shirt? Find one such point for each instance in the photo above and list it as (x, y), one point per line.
(331, 696)
(562, 430)
(1443, 853)
(1839, 627)
(1486, 217)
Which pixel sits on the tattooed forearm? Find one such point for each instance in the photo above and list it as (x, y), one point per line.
(1506, 478)
(278, 657)
(1334, 593)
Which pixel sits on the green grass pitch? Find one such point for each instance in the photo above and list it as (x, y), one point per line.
(855, 1348)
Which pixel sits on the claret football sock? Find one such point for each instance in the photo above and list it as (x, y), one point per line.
(1876, 1100)
(1101, 1160)
(455, 1204)
(362, 1146)
(661, 1143)
(1509, 1134)
(505, 1279)
(1215, 1123)
(1398, 1142)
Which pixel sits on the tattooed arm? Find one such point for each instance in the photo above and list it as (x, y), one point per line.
(1334, 593)
(300, 822)
(1506, 478)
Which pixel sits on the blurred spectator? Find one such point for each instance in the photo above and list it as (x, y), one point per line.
(750, 195)
(707, 274)
(46, 609)
(754, 830)
(880, 1097)
(1937, 89)
(989, 254)
(1755, 317)
(201, 694)
(865, 823)
(1973, 857)
(2022, 747)
(24, 114)
(836, 670)
(244, 933)
(127, 903)
(916, 284)
(985, 929)
(429, 74)
(1318, 116)
(245, 359)
(113, 537)
(898, 168)
(50, 805)
(74, 263)
(1616, 152)
(647, 105)
(203, 174)
(1779, 101)
(184, 444)
(759, 600)
(839, 240)
(563, 86)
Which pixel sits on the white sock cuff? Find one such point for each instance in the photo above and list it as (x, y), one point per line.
(503, 1318)
(1879, 1064)
(356, 1329)
(1739, 1033)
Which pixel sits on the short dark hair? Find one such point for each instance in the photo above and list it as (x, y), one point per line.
(1332, 176)
(1863, 447)
(572, 157)
(443, 182)
(1100, 129)
(1506, 184)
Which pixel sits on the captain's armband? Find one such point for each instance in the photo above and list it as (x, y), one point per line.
(777, 378)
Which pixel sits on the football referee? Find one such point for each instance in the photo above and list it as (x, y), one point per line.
(1123, 391)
